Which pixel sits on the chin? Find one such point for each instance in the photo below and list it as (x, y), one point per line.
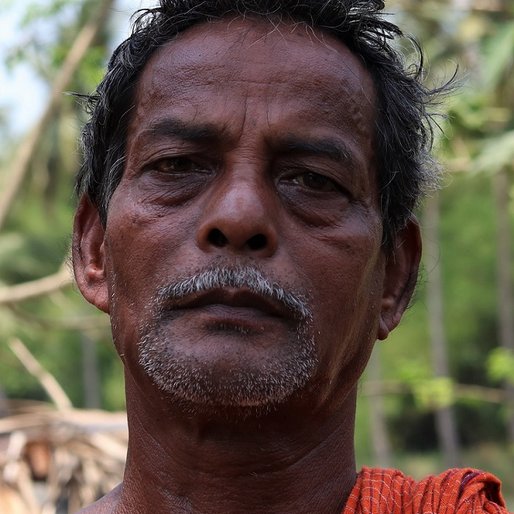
(248, 384)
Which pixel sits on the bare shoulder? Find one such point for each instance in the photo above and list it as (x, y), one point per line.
(104, 505)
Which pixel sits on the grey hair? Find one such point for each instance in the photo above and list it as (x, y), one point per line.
(239, 277)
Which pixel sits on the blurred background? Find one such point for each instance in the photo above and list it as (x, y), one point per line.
(438, 393)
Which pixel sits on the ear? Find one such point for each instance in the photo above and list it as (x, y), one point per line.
(88, 255)
(401, 273)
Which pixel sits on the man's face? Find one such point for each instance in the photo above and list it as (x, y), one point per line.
(242, 254)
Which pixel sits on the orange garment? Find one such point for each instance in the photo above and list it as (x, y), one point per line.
(457, 491)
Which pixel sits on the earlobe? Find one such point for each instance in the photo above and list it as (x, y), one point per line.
(88, 255)
(400, 277)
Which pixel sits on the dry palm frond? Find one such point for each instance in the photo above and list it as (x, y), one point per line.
(58, 461)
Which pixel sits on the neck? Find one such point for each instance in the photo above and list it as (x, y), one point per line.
(274, 463)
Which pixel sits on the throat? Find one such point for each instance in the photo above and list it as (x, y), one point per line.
(258, 466)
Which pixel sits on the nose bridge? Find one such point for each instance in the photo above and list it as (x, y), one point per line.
(241, 195)
(239, 213)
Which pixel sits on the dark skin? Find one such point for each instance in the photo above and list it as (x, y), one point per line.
(264, 135)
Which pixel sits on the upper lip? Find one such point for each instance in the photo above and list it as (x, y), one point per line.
(233, 298)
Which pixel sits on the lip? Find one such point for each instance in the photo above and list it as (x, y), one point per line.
(237, 299)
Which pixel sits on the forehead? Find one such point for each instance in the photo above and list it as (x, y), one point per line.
(295, 73)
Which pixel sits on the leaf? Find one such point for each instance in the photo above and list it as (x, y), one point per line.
(498, 52)
(500, 365)
(435, 393)
(497, 153)
(410, 371)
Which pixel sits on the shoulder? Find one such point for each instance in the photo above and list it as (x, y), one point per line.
(458, 491)
(104, 505)
(469, 490)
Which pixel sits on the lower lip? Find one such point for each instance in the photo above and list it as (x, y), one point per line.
(219, 315)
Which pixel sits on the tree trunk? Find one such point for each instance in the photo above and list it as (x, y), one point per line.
(445, 417)
(379, 435)
(501, 188)
(91, 376)
(4, 408)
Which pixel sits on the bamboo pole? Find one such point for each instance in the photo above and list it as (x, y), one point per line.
(49, 383)
(28, 147)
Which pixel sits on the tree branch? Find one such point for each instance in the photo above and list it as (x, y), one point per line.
(35, 288)
(26, 151)
(461, 391)
(51, 386)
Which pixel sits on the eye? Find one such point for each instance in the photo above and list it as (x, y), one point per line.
(179, 165)
(316, 182)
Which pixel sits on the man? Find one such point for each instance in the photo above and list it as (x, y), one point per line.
(245, 219)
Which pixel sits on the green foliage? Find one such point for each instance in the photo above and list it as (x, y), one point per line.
(34, 243)
(478, 142)
(46, 31)
(500, 365)
(435, 393)
(498, 55)
(496, 153)
(36, 10)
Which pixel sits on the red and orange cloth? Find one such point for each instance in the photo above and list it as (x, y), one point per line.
(457, 491)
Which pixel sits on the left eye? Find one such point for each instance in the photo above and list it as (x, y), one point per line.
(316, 182)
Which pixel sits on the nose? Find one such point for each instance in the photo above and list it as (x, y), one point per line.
(239, 218)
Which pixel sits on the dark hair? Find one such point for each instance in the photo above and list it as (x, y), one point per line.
(403, 136)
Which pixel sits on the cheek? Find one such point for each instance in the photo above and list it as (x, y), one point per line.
(351, 294)
(145, 236)
(346, 292)
(142, 247)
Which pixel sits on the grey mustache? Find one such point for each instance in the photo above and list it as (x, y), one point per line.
(245, 277)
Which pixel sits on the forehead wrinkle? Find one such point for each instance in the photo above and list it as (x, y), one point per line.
(239, 69)
(350, 90)
(356, 113)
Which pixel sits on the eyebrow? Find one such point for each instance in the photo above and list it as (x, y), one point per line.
(324, 147)
(333, 149)
(172, 127)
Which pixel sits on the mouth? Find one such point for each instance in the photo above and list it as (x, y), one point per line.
(232, 301)
(231, 311)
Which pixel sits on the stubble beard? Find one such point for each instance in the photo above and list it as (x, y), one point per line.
(253, 388)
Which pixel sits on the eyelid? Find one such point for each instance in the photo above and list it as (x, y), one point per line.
(294, 170)
(324, 177)
(333, 185)
(199, 162)
(171, 148)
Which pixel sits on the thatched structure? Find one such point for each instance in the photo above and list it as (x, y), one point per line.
(55, 462)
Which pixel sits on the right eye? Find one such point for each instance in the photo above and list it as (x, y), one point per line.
(178, 165)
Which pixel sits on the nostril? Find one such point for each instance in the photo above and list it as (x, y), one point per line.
(257, 242)
(217, 238)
